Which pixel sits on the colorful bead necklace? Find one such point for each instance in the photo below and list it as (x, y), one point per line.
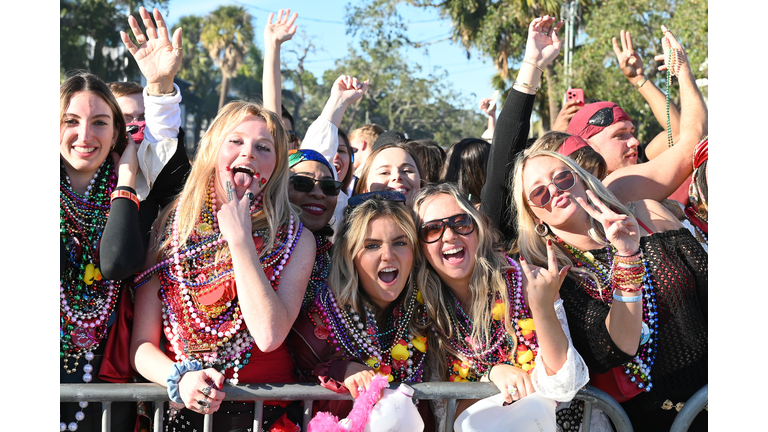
(202, 316)
(319, 277)
(500, 347)
(86, 298)
(399, 356)
(639, 369)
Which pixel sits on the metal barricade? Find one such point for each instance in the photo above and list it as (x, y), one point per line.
(690, 410)
(107, 393)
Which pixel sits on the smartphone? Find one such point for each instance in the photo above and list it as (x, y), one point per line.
(493, 100)
(575, 94)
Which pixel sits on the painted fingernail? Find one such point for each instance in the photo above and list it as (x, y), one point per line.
(549, 242)
(227, 168)
(522, 258)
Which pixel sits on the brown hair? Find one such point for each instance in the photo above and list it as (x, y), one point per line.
(90, 83)
(360, 187)
(351, 168)
(432, 157)
(125, 88)
(466, 164)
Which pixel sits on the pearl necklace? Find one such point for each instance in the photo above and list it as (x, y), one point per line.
(202, 318)
(86, 300)
(499, 347)
(362, 338)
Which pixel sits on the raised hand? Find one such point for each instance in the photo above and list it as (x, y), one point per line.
(543, 43)
(159, 60)
(630, 63)
(621, 230)
(485, 106)
(565, 115)
(348, 90)
(201, 390)
(678, 61)
(235, 213)
(543, 285)
(282, 30)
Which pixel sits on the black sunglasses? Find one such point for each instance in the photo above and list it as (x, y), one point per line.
(540, 196)
(432, 231)
(386, 195)
(306, 184)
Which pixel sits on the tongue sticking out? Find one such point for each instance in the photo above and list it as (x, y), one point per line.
(243, 178)
(389, 276)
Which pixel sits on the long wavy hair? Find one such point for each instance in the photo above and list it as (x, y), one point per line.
(488, 280)
(87, 82)
(533, 246)
(276, 207)
(343, 278)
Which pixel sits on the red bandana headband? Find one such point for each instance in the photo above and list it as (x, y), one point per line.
(580, 123)
(571, 144)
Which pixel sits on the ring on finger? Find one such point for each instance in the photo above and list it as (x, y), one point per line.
(512, 390)
(360, 389)
(204, 403)
(206, 391)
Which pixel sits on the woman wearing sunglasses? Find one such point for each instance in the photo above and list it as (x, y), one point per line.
(231, 262)
(485, 308)
(636, 291)
(369, 319)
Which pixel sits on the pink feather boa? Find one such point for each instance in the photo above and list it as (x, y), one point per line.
(358, 417)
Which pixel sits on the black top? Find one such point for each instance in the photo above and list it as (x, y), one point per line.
(125, 239)
(509, 139)
(678, 266)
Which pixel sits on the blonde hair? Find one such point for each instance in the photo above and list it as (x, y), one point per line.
(276, 207)
(587, 157)
(343, 278)
(488, 280)
(370, 133)
(533, 246)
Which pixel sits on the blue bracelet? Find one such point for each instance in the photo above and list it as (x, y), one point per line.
(173, 379)
(627, 299)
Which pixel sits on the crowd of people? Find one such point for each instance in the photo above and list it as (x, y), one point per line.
(540, 265)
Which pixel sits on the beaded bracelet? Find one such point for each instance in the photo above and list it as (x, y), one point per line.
(629, 258)
(124, 194)
(526, 85)
(173, 379)
(633, 299)
(534, 65)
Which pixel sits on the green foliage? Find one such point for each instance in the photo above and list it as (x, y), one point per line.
(595, 68)
(397, 98)
(88, 28)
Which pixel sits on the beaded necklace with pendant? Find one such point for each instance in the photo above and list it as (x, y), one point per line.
(202, 316)
(86, 299)
(639, 369)
(401, 355)
(500, 346)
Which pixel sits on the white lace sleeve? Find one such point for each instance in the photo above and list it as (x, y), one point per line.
(574, 375)
(161, 135)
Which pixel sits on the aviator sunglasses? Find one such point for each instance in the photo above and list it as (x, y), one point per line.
(540, 196)
(432, 231)
(306, 184)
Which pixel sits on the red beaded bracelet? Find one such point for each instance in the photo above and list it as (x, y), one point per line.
(124, 194)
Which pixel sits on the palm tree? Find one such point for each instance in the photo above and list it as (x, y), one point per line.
(227, 35)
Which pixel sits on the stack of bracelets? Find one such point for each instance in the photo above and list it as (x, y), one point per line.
(628, 271)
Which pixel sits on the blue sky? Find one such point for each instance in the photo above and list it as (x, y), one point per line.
(323, 22)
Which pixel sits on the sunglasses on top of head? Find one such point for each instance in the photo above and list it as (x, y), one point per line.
(563, 180)
(432, 231)
(306, 184)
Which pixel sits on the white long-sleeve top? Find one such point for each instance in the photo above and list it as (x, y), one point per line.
(574, 374)
(161, 134)
(323, 137)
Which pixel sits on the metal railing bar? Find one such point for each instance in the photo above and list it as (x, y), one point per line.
(158, 427)
(610, 407)
(106, 416)
(307, 413)
(258, 415)
(450, 413)
(208, 423)
(692, 408)
(586, 420)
